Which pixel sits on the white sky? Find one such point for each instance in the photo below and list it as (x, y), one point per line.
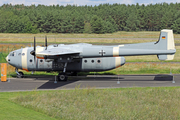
(83, 2)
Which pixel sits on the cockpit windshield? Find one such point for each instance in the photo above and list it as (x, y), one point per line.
(13, 54)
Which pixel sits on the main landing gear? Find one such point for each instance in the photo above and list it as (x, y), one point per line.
(62, 76)
(19, 74)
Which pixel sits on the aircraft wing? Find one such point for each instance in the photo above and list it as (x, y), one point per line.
(57, 52)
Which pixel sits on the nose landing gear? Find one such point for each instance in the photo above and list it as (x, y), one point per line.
(19, 74)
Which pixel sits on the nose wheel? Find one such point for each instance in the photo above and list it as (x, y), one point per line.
(19, 74)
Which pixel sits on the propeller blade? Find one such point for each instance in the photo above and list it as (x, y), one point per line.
(46, 42)
(35, 52)
(34, 44)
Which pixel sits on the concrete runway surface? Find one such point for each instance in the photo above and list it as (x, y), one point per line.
(96, 81)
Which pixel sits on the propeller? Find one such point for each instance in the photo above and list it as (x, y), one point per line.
(33, 52)
(46, 42)
(34, 49)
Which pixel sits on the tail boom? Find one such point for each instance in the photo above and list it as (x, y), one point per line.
(164, 48)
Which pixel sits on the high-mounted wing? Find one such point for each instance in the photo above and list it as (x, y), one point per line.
(56, 52)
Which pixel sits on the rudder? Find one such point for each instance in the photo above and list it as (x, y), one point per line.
(166, 42)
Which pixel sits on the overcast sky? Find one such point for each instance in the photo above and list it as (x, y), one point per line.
(83, 2)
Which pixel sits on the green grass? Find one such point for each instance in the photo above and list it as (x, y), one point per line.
(13, 111)
(77, 38)
(119, 34)
(3, 57)
(122, 103)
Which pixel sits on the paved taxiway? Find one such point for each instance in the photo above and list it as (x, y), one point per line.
(97, 81)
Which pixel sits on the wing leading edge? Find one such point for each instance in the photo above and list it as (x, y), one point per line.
(56, 52)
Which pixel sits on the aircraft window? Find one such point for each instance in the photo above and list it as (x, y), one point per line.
(98, 61)
(55, 45)
(92, 61)
(12, 54)
(85, 61)
(41, 60)
(19, 54)
(23, 54)
(30, 60)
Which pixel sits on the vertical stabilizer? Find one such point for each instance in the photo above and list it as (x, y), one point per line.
(166, 42)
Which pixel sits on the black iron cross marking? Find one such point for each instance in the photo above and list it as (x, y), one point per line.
(102, 52)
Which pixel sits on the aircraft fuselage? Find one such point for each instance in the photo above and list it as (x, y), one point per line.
(92, 58)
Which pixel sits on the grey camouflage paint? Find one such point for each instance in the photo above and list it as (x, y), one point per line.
(88, 57)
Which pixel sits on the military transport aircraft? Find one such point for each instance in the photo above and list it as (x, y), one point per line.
(86, 57)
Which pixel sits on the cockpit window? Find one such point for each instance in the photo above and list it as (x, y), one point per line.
(13, 54)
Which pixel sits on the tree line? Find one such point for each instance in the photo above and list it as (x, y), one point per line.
(104, 18)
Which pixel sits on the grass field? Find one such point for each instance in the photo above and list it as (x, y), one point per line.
(12, 111)
(90, 103)
(119, 34)
(77, 38)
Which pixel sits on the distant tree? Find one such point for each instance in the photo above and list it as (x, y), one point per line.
(97, 19)
(87, 28)
(78, 25)
(5, 18)
(96, 24)
(108, 27)
(132, 22)
(66, 25)
(176, 26)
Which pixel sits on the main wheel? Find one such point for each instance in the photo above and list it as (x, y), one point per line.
(62, 77)
(21, 75)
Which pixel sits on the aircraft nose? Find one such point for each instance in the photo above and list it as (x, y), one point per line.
(7, 58)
